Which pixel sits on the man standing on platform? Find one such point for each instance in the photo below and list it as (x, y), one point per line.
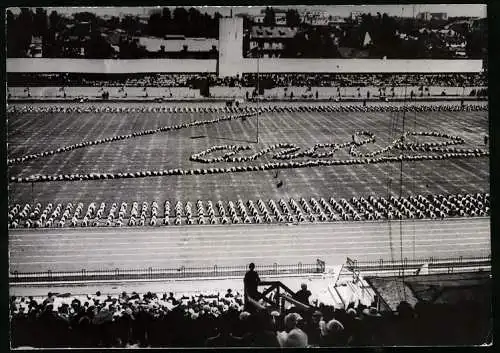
(251, 282)
(303, 294)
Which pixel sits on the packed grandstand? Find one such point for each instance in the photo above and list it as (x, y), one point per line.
(247, 79)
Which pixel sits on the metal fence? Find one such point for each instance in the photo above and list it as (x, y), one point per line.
(414, 264)
(152, 273)
(275, 269)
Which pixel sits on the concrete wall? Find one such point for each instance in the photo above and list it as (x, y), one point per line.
(230, 66)
(95, 92)
(270, 65)
(110, 65)
(230, 46)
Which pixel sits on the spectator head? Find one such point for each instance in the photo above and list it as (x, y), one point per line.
(251, 266)
(291, 321)
(333, 332)
(296, 338)
(334, 326)
(303, 286)
(244, 315)
(275, 317)
(98, 293)
(317, 316)
(351, 312)
(371, 312)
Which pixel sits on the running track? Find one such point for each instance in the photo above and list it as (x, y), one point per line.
(193, 246)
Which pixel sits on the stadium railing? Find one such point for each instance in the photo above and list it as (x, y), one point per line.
(451, 264)
(152, 273)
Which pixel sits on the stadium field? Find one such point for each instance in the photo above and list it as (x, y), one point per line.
(33, 133)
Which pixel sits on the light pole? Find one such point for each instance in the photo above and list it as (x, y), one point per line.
(258, 89)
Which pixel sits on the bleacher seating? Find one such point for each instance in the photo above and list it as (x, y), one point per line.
(248, 80)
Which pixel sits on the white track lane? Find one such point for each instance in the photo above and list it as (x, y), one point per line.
(193, 246)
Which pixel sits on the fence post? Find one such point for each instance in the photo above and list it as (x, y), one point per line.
(299, 267)
(215, 270)
(275, 268)
(49, 274)
(117, 273)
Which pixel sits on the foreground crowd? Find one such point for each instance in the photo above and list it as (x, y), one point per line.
(250, 80)
(281, 211)
(221, 320)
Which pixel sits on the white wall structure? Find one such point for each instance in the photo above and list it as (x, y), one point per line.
(272, 65)
(110, 65)
(232, 67)
(230, 46)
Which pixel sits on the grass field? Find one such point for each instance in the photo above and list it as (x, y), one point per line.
(32, 133)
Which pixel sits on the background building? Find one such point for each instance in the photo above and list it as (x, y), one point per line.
(270, 41)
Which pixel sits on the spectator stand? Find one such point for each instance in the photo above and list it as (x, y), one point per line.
(306, 86)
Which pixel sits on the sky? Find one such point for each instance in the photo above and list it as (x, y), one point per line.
(453, 10)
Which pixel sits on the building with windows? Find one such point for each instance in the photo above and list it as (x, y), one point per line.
(258, 19)
(279, 17)
(35, 48)
(270, 41)
(317, 18)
